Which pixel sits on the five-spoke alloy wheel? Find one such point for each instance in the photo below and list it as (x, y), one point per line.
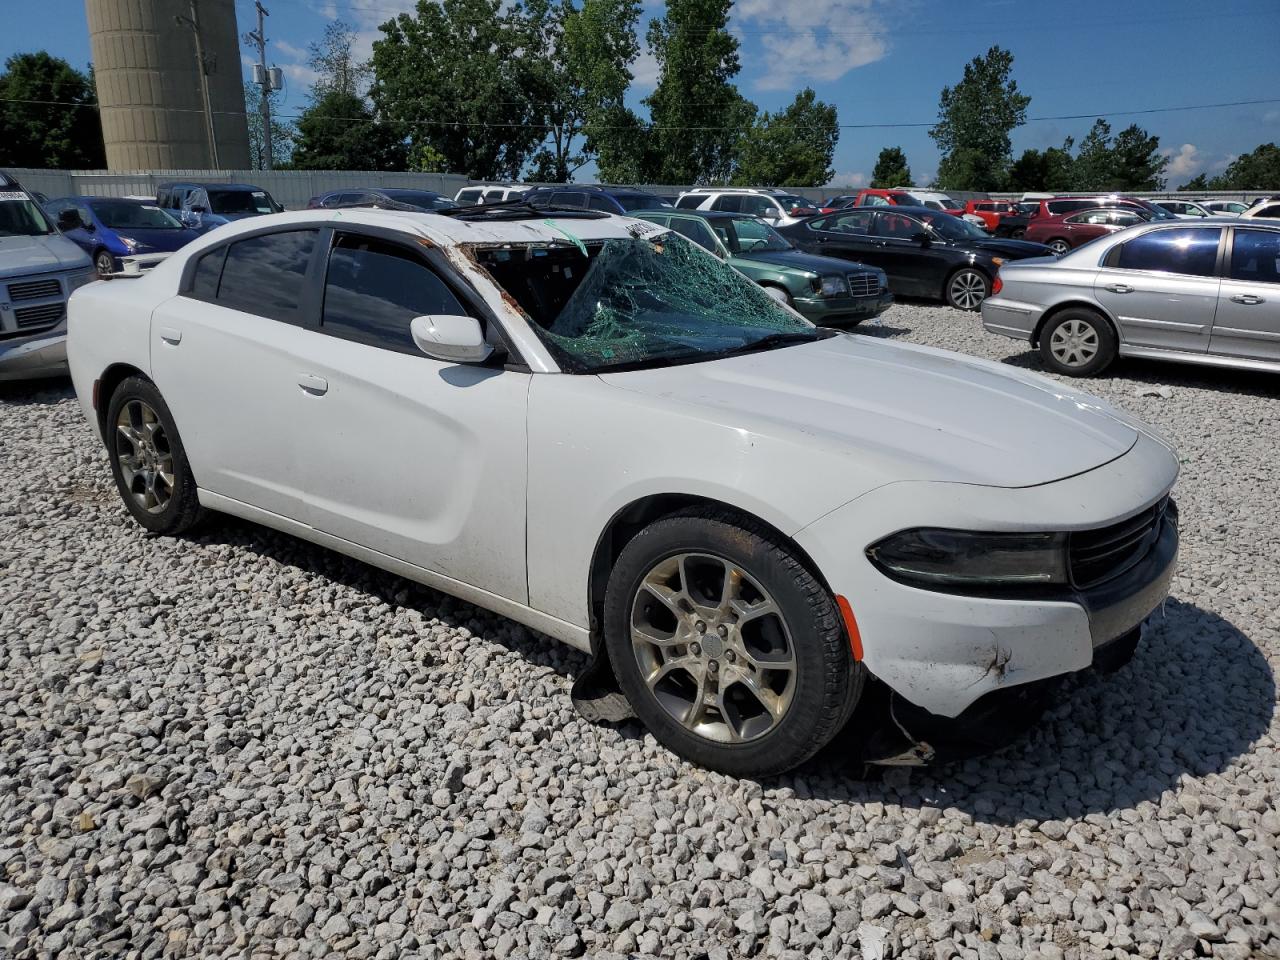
(726, 645)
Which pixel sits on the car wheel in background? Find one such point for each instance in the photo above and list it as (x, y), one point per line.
(147, 460)
(1078, 342)
(105, 263)
(1059, 246)
(967, 288)
(777, 293)
(1017, 233)
(727, 646)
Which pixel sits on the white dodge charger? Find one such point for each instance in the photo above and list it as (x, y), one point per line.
(593, 427)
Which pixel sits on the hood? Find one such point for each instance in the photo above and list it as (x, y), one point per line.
(1013, 249)
(22, 255)
(163, 240)
(916, 412)
(799, 260)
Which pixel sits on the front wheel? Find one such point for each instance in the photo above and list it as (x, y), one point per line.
(967, 289)
(778, 294)
(1078, 343)
(728, 648)
(105, 263)
(148, 461)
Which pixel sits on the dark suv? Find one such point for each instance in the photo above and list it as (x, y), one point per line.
(594, 197)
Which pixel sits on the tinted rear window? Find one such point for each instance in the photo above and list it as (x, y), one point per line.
(1193, 252)
(691, 201)
(264, 275)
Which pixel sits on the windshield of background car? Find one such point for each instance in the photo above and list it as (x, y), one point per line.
(790, 202)
(748, 236)
(639, 201)
(953, 228)
(121, 215)
(633, 301)
(20, 216)
(240, 201)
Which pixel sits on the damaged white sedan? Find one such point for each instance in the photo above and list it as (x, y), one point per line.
(593, 427)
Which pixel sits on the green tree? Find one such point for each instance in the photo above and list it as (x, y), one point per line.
(1198, 182)
(1092, 169)
(623, 151)
(792, 147)
(576, 61)
(698, 116)
(891, 169)
(1048, 169)
(48, 115)
(339, 132)
(1257, 170)
(282, 131)
(450, 75)
(1136, 163)
(975, 119)
(333, 58)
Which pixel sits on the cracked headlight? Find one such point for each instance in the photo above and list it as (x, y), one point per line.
(833, 286)
(957, 559)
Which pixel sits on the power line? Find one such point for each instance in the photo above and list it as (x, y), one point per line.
(844, 126)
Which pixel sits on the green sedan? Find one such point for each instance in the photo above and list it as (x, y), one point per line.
(826, 291)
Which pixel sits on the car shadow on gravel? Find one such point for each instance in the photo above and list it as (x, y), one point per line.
(1159, 373)
(1196, 696)
(45, 392)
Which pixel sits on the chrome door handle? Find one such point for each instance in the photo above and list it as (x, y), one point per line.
(171, 336)
(312, 384)
(1248, 299)
(1119, 288)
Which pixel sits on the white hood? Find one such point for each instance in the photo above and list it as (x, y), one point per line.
(934, 415)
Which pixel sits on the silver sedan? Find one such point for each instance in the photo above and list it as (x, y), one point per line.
(1205, 293)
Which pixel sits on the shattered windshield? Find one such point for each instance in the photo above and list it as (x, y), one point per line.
(636, 302)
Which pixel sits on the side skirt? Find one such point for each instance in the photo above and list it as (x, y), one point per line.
(571, 634)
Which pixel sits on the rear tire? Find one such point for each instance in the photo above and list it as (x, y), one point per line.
(1059, 246)
(727, 647)
(1078, 343)
(148, 461)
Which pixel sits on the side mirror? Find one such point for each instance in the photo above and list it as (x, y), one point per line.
(451, 338)
(69, 220)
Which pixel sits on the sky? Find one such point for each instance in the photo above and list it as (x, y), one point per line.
(884, 62)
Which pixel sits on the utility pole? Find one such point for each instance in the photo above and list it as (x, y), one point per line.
(202, 65)
(262, 77)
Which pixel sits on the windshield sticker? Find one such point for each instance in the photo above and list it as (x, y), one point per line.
(259, 195)
(11, 195)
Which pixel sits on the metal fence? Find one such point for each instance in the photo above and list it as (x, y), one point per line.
(294, 188)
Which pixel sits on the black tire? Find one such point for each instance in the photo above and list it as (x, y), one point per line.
(177, 508)
(966, 288)
(1060, 246)
(1085, 328)
(1017, 233)
(104, 262)
(826, 683)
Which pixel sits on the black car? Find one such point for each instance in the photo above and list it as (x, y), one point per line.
(926, 253)
(389, 197)
(595, 197)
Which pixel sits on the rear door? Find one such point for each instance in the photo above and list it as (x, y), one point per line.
(846, 235)
(1248, 319)
(1162, 287)
(913, 268)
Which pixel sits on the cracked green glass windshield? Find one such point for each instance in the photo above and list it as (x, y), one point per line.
(639, 301)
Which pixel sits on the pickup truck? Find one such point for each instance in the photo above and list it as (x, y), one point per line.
(39, 269)
(203, 206)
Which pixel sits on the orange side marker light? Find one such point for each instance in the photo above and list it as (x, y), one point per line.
(851, 624)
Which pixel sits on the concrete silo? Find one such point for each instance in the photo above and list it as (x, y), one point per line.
(149, 84)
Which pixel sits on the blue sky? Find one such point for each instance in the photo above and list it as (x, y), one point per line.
(885, 61)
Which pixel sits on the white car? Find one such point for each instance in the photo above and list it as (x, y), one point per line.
(1184, 209)
(778, 207)
(590, 425)
(1269, 210)
(1224, 208)
(491, 193)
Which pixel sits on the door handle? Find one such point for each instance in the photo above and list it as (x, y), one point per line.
(1248, 299)
(312, 384)
(171, 335)
(1119, 288)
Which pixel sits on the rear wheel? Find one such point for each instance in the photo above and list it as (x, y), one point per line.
(726, 645)
(1059, 246)
(1078, 343)
(967, 288)
(148, 461)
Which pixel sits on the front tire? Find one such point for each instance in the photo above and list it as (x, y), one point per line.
(1078, 343)
(727, 647)
(105, 263)
(778, 294)
(967, 288)
(148, 461)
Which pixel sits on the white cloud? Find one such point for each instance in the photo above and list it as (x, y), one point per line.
(812, 40)
(1184, 162)
(851, 179)
(1271, 116)
(289, 50)
(645, 69)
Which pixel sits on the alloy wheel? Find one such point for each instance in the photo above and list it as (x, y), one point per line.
(713, 647)
(146, 461)
(968, 289)
(1060, 247)
(105, 263)
(1074, 343)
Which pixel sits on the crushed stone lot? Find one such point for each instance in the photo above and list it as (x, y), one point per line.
(238, 745)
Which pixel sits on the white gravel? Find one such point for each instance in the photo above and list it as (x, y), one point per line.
(241, 745)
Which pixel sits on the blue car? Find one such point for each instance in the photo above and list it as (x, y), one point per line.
(208, 205)
(109, 228)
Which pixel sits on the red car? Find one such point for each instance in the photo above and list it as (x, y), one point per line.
(1061, 206)
(990, 212)
(885, 198)
(1066, 231)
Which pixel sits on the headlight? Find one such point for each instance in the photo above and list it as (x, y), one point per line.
(958, 559)
(130, 244)
(833, 286)
(78, 280)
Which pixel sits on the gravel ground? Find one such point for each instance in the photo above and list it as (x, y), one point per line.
(241, 745)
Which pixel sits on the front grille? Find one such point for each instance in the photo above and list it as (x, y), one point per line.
(1100, 555)
(34, 290)
(29, 318)
(863, 284)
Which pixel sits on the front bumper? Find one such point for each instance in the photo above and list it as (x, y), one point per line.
(837, 311)
(39, 355)
(943, 652)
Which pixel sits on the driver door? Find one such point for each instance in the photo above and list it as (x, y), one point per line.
(913, 268)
